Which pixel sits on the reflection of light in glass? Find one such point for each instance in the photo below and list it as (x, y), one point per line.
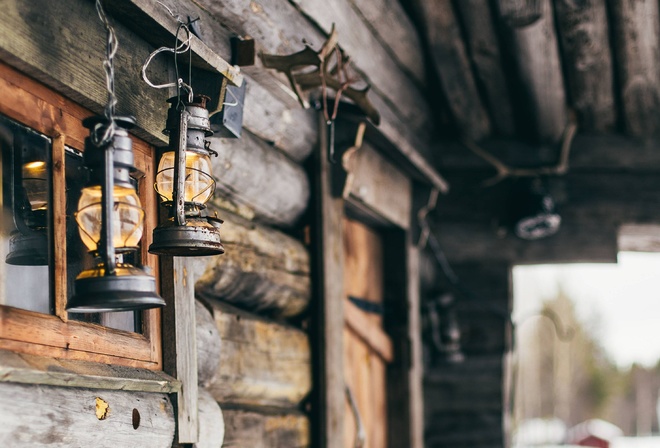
(35, 182)
(198, 183)
(127, 217)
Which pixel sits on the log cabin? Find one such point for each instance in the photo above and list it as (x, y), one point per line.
(354, 192)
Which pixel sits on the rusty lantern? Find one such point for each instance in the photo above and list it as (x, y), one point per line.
(185, 183)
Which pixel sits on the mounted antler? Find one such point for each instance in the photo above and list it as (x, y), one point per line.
(296, 68)
(504, 171)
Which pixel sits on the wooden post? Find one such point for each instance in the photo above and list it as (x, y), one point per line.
(329, 304)
(585, 42)
(637, 49)
(179, 342)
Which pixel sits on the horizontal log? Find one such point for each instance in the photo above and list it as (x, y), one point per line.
(584, 34)
(266, 430)
(263, 270)
(450, 61)
(211, 422)
(637, 52)
(639, 238)
(541, 82)
(263, 363)
(252, 174)
(209, 345)
(44, 416)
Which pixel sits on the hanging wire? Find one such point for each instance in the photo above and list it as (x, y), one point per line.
(104, 132)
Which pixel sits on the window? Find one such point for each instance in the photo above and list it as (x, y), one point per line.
(42, 141)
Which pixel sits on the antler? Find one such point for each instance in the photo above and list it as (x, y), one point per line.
(504, 171)
(291, 65)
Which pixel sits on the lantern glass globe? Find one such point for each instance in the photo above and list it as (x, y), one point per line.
(199, 184)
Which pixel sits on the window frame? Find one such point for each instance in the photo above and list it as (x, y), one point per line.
(36, 106)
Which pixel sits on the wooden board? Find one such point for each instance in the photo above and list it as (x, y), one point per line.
(250, 428)
(263, 363)
(36, 416)
(263, 270)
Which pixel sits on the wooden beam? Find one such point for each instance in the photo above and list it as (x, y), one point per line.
(262, 363)
(266, 430)
(450, 60)
(392, 26)
(584, 34)
(483, 47)
(263, 270)
(541, 83)
(282, 192)
(35, 416)
(637, 52)
(590, 152)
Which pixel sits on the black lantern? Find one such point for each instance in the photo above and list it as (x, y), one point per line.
(185, 183)
(28, 244)
(111, 221)
(533, 210)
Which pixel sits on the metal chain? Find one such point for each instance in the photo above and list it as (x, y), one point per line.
(104, 132)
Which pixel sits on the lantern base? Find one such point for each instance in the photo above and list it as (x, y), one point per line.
(28, 250)
(197, 238)
(130, 289)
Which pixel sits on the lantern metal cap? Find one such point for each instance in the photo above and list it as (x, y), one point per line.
(28, 250)
(199, 237)
(129, 289)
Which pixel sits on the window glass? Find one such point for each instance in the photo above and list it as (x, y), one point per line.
(24, 230)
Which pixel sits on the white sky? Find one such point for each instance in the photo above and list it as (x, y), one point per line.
(623, 300)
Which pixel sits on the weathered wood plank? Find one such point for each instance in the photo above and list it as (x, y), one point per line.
(584, 34)
(637, 51)
(36, 416)
(415, 388)
(395, 30)
(639, 238)
(263, 363)
(32, 369)
(211, 422)
(248, 428)
(328, 312)
(451, 63)
(520, 13)
(541, 80)
(281, 194)
(209, 345)
(180, 342)
(380, 185)
(280, 28)
(484, 49)
(263, 270)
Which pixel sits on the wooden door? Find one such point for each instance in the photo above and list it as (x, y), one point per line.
(367, 348)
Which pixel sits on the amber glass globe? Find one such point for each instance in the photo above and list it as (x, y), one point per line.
(127, 217)
(35, 182)
(199, 183)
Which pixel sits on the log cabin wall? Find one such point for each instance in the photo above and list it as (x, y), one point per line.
(252, 319)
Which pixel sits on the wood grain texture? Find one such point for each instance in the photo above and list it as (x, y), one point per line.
(263, 363)
(32, 369)
(249, 428)
(253, 174)
(484, 50)
(209, 345)
(520, 13)
(381, 186)
(450, 61)
(584, 34)
(415, 390)
(211, 422)
(637, 52)
(639, 238)
(43, 416)
(263, 270)
(180, 342)
(541, 80)
(369, 331)
(395, 30)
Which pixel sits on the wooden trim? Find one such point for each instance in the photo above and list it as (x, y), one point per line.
(48, 112)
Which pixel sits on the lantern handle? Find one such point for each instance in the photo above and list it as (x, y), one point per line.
(178, 193)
